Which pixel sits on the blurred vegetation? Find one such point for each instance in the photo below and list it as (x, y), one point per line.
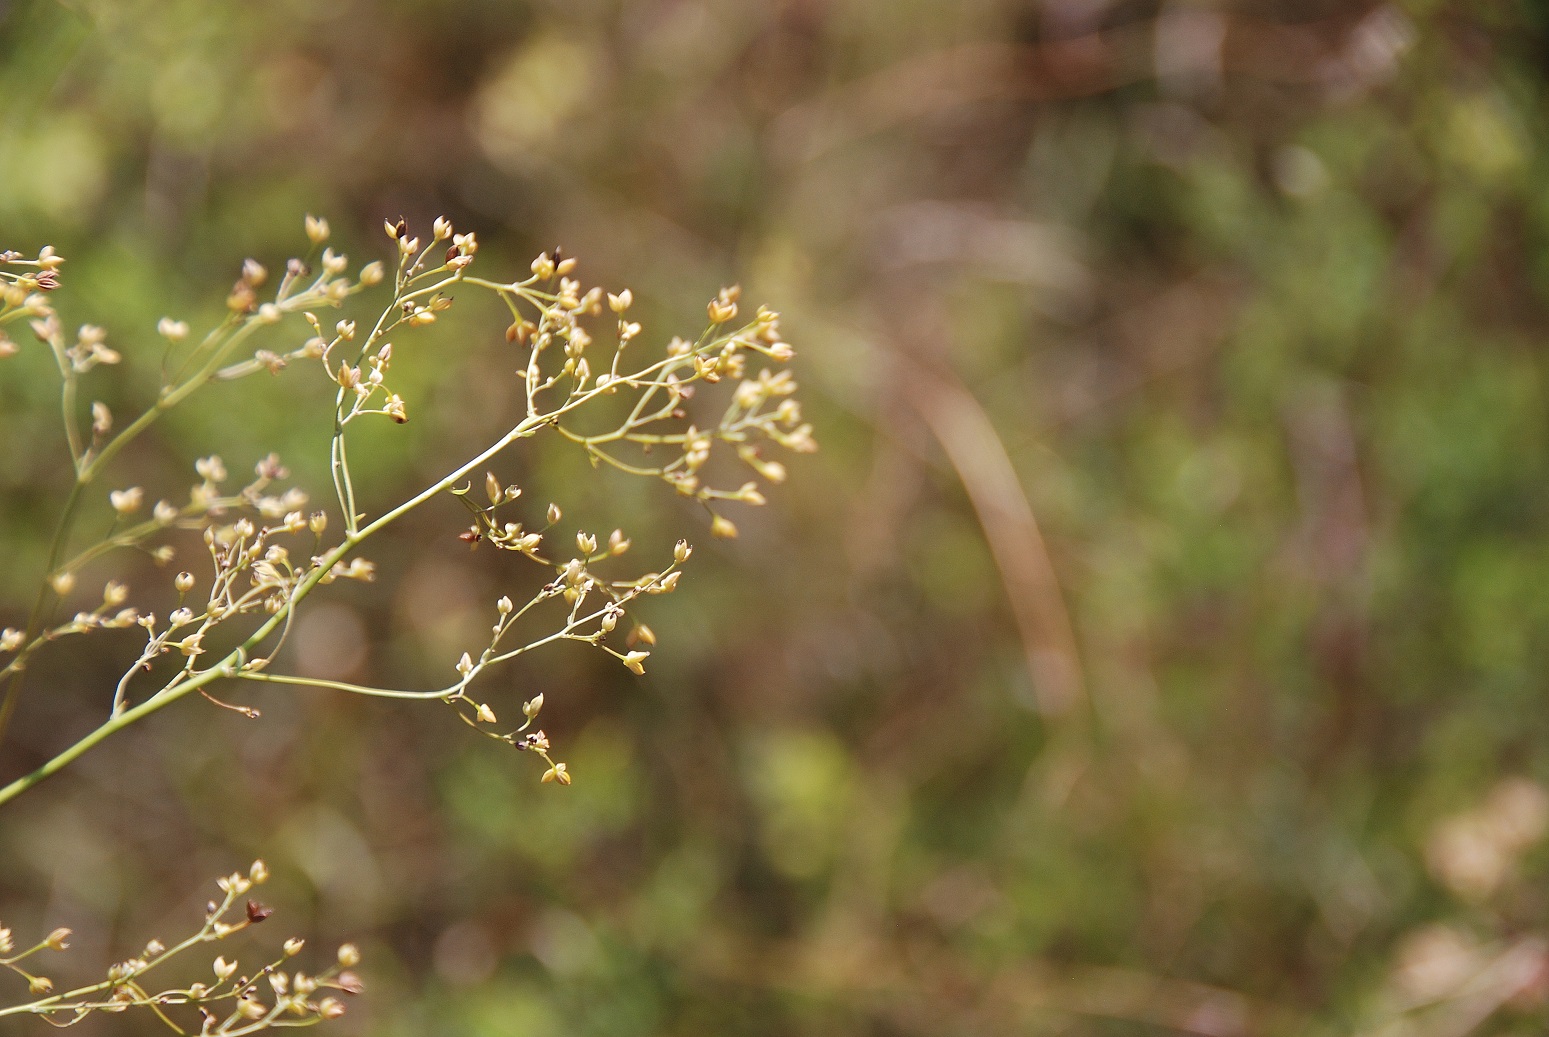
(1157, 645)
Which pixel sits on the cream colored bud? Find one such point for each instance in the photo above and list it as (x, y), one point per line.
(556, 773)
(114, 594)
(172, 330)
(608, 622)
(635, 661)
(318, 522)
(258, 873)
(10, 640)
(184, 582)
(554, 513)
(504, 606)
(223, 969)
(441, 228)
(465, 665)
(293, 946)
(486, 715)
(372, 273)
(565, 266)
(101, 419)
(531, 707)
(723, 528)
(62, 582)
(127, 502)
(349, 956)
(330, 1008)
(492, 487)
(620, 302)
(251, 1008)
(253, 272)
(681, 551)
(586, 543)
(618, 543)
(40, 984)
(58, 940)
(317, 229)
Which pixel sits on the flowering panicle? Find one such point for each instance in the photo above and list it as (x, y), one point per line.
(232, 1001)
(266, 552)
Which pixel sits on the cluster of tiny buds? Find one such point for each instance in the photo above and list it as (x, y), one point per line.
(294, 993)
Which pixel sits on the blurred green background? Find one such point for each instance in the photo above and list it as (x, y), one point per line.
(1158, 643)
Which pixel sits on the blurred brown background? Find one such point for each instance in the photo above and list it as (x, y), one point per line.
(1157, 645)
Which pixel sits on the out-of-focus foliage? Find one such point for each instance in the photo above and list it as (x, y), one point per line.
(1158, 644)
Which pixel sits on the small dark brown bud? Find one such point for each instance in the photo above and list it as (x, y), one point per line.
(257, 912)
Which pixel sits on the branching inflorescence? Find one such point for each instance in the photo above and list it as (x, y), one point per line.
(229, 1002)
(265, 552)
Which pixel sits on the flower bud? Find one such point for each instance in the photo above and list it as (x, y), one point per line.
(58, 939)
(127, 502)
(531, 706)
(349, 956)
(184, 582)
(317, 229)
